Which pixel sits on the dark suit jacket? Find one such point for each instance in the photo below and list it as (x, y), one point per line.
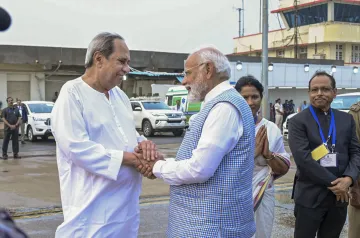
(312, 179)
(24, 115)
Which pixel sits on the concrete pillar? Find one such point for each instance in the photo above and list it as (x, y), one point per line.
(331, 11)
(3, 89)
(37, 86)
(347, 52)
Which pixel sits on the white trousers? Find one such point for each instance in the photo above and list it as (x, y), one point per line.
(278, 121)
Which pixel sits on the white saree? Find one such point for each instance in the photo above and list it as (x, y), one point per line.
(263, 181)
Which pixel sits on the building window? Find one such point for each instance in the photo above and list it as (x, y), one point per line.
(307, 16)
(303, 53)
(280, 53)
(347, 13)
(258, 54)
(355, 54)
(339, 52)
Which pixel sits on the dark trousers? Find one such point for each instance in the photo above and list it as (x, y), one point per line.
(14, 135)
(326, 222)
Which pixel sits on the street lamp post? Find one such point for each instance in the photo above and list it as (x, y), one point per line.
(264, 76)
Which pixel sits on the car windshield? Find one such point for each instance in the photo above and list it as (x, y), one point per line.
(155, 106)
(41, 107)
(345, 102)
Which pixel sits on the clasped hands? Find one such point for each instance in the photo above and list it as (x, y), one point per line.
(13, 127)
(341, 188)
(262, 143)
(147, 155)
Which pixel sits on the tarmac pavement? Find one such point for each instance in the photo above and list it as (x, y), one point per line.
(29, 189)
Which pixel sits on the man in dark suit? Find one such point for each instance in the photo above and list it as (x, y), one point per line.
(327, 154)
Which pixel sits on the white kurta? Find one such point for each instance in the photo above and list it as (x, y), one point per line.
(99, 195)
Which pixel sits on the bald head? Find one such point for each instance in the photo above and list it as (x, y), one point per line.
(214, 56)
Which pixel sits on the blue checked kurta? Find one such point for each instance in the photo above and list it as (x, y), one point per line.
(223, 204)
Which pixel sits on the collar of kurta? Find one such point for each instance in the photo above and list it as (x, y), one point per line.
(216, 91)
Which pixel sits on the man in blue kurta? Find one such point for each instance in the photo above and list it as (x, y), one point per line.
(211, 176)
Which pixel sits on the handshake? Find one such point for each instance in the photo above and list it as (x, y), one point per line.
(147, 155)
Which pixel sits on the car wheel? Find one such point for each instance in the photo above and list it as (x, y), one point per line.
(178, 132)
(30, 134)
(147, 128)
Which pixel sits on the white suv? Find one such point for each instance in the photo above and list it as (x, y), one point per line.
(155, 116)
(38, 124)
(286, 126)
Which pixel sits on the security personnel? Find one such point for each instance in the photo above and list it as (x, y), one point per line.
(12, 119)
(354, 206)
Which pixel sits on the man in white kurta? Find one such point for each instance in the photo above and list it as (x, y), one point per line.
(99, 196)
(95, 132)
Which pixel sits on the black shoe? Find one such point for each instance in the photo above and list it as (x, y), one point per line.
(16, 156)
(23, 142)
(5, 157)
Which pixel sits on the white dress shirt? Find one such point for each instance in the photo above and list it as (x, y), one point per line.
(221, 132)
(99, 195)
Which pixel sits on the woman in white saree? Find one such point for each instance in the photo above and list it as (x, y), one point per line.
(271, 159)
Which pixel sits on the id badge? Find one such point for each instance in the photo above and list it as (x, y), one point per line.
(319, 152)
(329, 160)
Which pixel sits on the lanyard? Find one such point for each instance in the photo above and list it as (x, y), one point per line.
(255, 119)
(332, 128)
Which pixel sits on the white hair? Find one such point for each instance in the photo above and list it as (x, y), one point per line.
(104, 43)
(212, 54)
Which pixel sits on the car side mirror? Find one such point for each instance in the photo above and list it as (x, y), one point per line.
(138, 109)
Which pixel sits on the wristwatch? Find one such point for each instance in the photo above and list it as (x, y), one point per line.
(272, 157)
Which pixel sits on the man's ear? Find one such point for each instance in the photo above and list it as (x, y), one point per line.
(98, 59)
(210, 70)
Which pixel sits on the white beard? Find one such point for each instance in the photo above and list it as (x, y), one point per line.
(194, 96)
(197, 90)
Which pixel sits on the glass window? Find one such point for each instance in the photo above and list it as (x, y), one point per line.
(169, 100)
(135, 104)
(303, 53)
(344, 102)
(355, 54)
(307, 16)
(41, 107)
(280, 53)
(339, 52)
(347, 13)
(155, 106)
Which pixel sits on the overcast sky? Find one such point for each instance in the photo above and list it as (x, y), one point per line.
(157, 25)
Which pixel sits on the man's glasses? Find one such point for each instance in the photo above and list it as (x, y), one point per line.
(188, 71)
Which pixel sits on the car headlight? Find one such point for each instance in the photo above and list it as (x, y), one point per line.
(39, 119)
(158, 114)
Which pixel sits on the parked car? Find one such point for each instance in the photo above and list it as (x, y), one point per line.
(38, 124)
(343, 102)
(285, 126)
(155, 116)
